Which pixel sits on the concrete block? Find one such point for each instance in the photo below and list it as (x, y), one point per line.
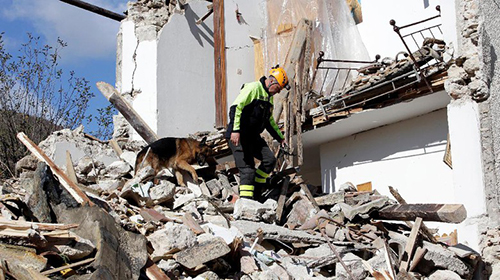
(354, 264)
(173, 238)
(202, 253)
(247, 209)
(162, 192)
(117, 169)
(249, 229)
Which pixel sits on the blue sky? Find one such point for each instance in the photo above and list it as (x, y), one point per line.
(91, 38)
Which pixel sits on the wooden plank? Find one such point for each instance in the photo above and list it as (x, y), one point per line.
(309, 195)
(206, 15)
(80, 263)
(5, 223)
(446, 213)
(128, 112)
(388, 261)
(282, 200)
(365, 187)
(419, 255)
(70, 169)
(293, 56)
(220, 64)
(410, 245)
(69, 185)
(116, 147)
(154, 272)
(191, 223)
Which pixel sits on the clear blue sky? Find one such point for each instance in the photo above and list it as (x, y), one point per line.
(91, 38)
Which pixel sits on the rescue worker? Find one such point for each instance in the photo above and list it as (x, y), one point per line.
(249, 115)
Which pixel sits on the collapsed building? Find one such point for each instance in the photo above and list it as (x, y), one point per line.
(419, 117)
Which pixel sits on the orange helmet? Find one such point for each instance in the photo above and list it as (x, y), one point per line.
(280, 75)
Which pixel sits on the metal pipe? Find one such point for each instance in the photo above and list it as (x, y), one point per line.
(95, 9)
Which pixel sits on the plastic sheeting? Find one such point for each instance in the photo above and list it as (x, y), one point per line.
(334, 32)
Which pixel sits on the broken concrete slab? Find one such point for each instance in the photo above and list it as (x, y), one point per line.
(330, 199)
(437, 256)
(202, 252)
(37, 199)
(118, 252)
(247, 209)
(171, 239)
(351, 212)
(249, 229)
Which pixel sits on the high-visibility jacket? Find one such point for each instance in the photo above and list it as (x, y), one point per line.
(252, 111)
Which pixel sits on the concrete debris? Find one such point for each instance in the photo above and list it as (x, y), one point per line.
(202, 252)
(202, 231)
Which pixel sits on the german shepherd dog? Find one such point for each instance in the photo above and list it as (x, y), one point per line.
(175, 153)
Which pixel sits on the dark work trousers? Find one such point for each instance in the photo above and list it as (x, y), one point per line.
(251, 147)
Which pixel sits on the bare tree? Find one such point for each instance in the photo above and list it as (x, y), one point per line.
(37, 97)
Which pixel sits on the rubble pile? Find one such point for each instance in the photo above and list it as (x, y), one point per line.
(136, 226)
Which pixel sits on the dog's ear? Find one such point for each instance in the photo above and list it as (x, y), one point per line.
(203, 141)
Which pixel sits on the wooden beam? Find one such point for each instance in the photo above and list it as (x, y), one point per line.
(282, 200)
(446, 213)
(70, 169)
(410, 245)
(220, 64)
(50, 271)
(419, 255)
(95, 9)
(116, 147)
(69, 185)
(207, 14)
(293, 56)
(425, 230)
(128, 112)
(154, 272)
(21, 225)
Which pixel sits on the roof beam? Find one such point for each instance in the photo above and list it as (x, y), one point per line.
(95, 9)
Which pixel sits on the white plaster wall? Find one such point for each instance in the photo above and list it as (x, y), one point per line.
(377, 33)
(239, 46)
(185, 67)
(137, 73)
(463, 119)
(406, 155)
(129, 43)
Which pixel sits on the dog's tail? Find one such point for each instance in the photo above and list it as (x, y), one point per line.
(140, 159)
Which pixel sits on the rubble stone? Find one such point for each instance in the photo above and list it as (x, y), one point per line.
(202, 252)
(247, 209)
(37, 199)
(117, 169)
(354, 264)
(208, 275)
(162, 192)
(172, 238)
(77, 251)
